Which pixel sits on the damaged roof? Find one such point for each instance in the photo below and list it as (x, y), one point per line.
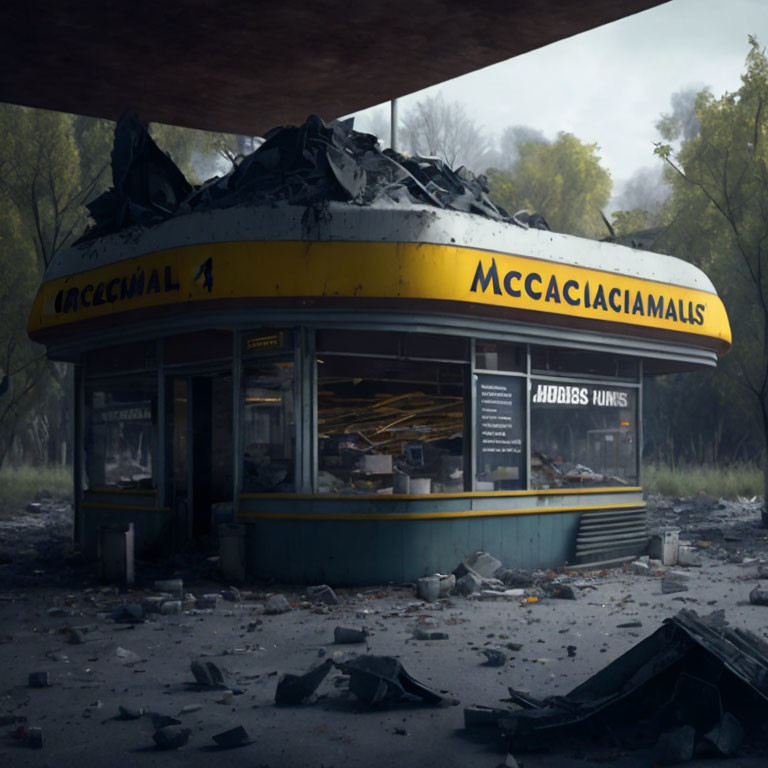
(314, 163)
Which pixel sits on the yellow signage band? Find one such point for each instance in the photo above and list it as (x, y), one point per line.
(378, 270)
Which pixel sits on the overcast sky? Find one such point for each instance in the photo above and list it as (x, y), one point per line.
(610, 85)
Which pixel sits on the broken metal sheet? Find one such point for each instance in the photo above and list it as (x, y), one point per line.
(691, 672)
(383, 680)
(304, 165)
(296, 689)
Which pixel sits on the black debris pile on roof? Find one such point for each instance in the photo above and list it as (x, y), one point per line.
(695, 686)
(300, 165)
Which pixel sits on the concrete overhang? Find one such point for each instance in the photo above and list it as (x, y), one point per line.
(243, 66)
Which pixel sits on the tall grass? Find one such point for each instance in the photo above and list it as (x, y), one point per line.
(721, 482)
(20, 485)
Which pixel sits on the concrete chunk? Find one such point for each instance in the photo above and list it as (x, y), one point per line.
(483, 564)
(276, 604)
(726, 737)
(171, 737)
(468, 584)
(322, 593)
(428, 588)
(234, 737)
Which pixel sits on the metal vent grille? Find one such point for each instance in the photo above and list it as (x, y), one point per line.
(611, 533)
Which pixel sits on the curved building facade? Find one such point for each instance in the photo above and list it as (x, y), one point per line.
(371, 392)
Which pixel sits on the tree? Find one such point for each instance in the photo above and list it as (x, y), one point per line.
(721, 191)
(202, 154)
(41, 176)
(562, 180)
(50, 164)
(443, 129)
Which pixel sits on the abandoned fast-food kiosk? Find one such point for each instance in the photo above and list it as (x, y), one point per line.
(370, 391)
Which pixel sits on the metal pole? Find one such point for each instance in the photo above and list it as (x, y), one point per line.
(393, 125)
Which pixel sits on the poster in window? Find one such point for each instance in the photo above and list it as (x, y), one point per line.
(499, 432)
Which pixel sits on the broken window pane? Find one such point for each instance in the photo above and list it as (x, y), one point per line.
(269, 427)
(583, 434)
(390, 426)
(120, 435)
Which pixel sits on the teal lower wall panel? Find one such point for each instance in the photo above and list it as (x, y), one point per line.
(359, 552)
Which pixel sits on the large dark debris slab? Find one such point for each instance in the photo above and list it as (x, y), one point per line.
(381, 680)
(297, 689)
(303, 165)
(695, 686)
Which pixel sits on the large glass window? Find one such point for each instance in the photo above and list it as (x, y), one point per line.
(120, 436)
(582, 434)
(390, 426)
(269, 426)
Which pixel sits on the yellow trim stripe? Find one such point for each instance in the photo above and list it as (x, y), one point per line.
(364, 516)
(113, 490)
(425, 496)
(128, 507)
(409, 272)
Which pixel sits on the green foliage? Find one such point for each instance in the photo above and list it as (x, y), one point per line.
(718, 216)
(20, 485)
(725, 482)
(50, 163)
(626, 222)
(562, 180)
(199, 154)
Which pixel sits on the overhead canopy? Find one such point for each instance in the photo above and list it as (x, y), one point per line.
(242, 66)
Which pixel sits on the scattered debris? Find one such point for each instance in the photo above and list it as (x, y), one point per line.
(560, 591)
(124, 656)
(671, 585)
(170, 607)
(343, 635)
(276, 604)
(207, 674)
(665, 682)
(130, 713)
(494, 657)
(480, 563)
(162, 721)
(39, 680)
(131, 613)
(322, 593)
(234, 737)
(758, 596)
(171, 737)
(424, 634)
(468, 584)
(232, 595)
(297, 689)
(383, 680)
(428, 588)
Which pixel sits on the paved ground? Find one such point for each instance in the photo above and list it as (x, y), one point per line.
(42, 595)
